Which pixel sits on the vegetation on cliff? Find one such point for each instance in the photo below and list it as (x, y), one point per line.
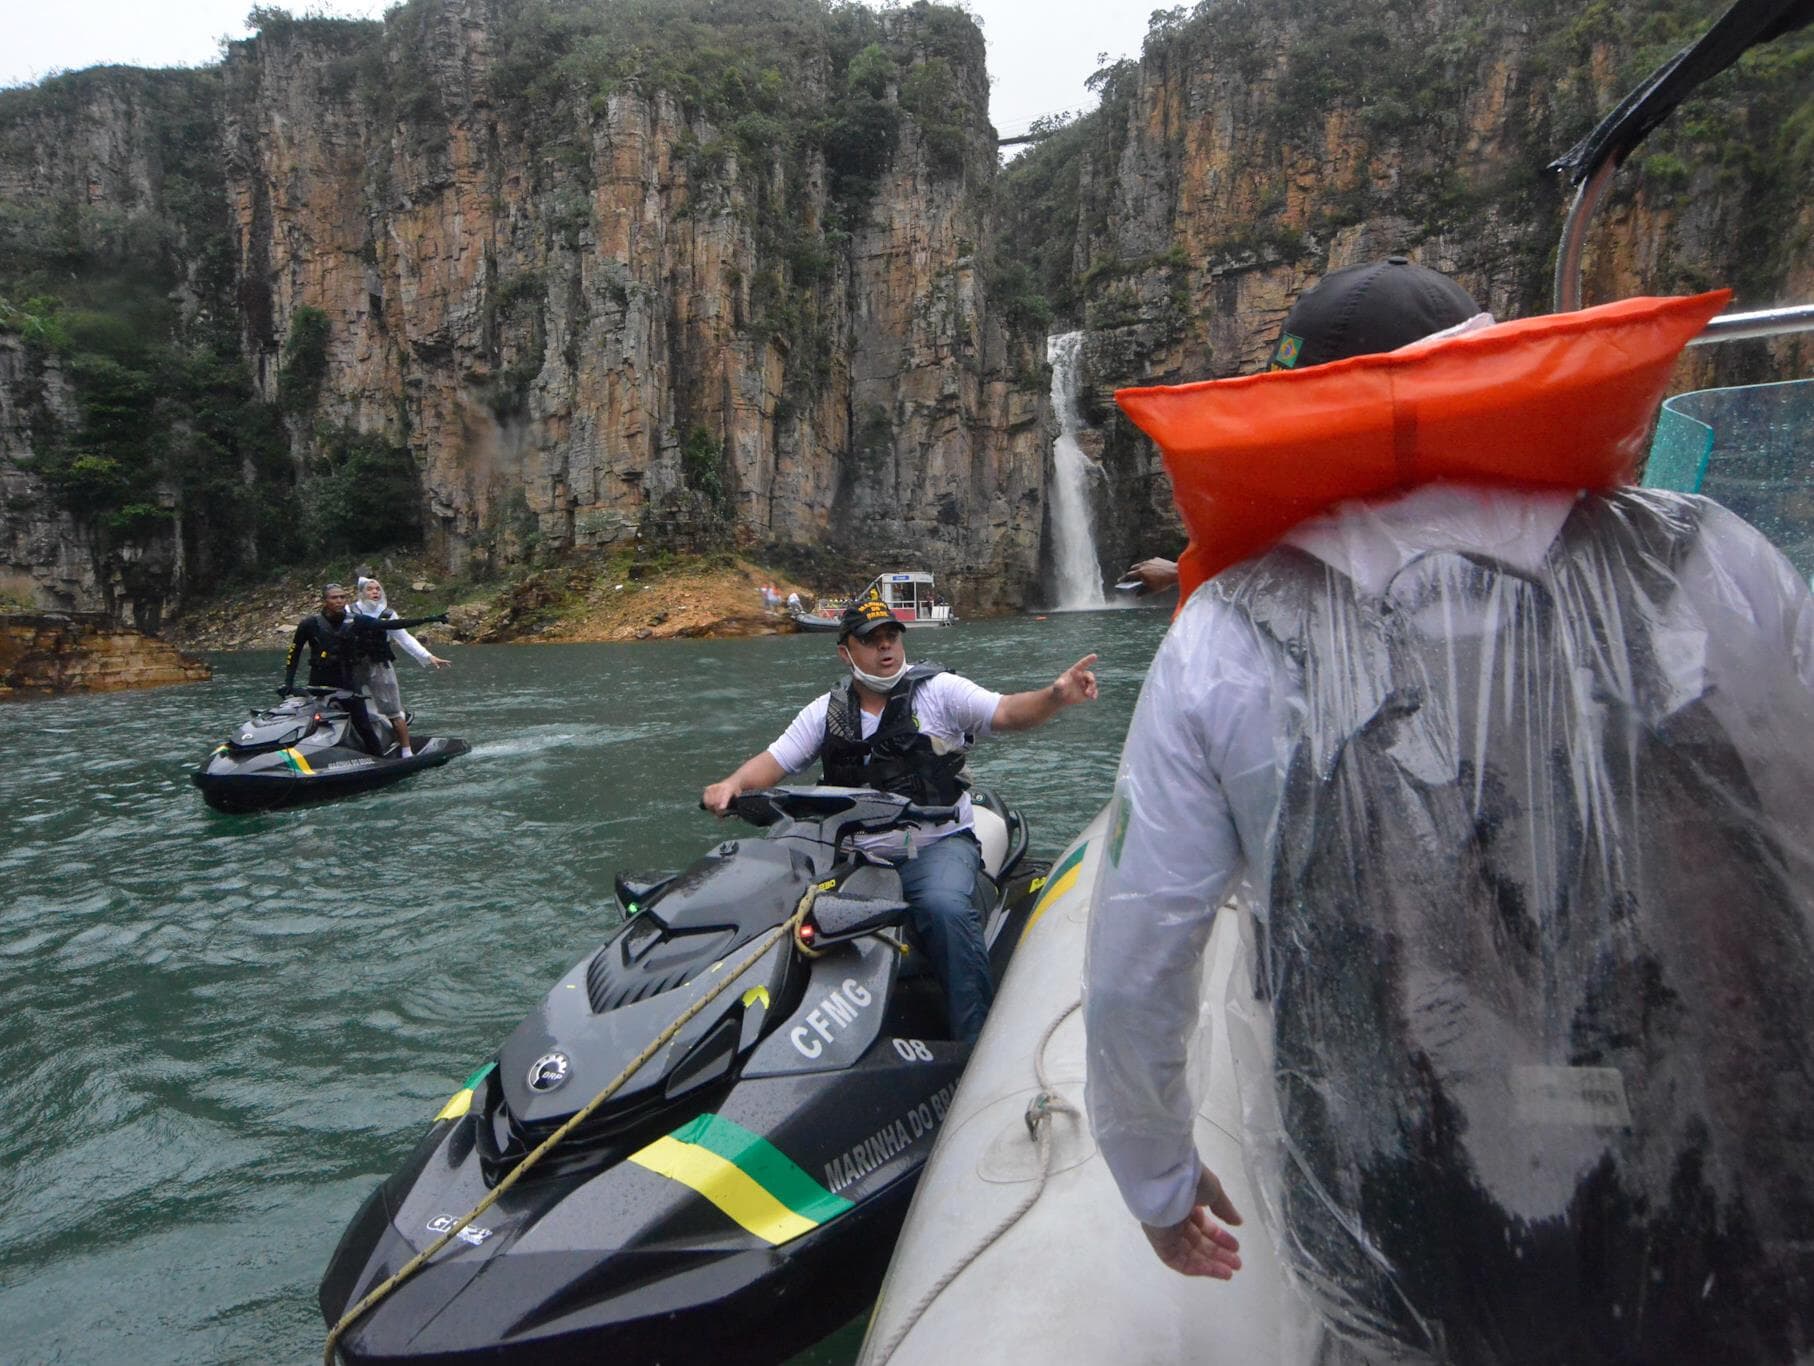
(146, 310)
(141, 401)
(1438, 114)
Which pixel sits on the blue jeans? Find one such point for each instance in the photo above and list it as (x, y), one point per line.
(940, 883)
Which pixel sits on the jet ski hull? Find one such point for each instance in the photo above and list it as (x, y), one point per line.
(229, 785)
(737, 1197)
(646, 1261)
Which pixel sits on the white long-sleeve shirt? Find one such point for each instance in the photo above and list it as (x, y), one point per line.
(1204, 766)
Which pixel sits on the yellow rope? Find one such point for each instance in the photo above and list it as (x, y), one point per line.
(422, 1258)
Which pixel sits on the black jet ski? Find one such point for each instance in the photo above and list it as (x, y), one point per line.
(737, 1199)
(305, 749)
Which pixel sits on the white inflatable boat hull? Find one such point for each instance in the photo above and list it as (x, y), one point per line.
(1070, 1278)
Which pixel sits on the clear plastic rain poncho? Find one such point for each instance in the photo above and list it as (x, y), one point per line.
(1522, 795)
(1533, 929)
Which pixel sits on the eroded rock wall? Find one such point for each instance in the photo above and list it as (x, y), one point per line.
(590, 312)
(1254, 150)
(557, 316)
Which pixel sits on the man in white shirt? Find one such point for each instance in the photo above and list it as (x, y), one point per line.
(905, 730)
(1216, 737)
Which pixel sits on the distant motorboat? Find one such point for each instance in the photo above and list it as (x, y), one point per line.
(908, 594)
(822, 619)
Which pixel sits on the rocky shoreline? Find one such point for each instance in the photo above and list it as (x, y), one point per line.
(46, 654)
(579, 601)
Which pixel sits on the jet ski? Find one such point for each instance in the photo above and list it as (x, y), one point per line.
(305, 749)
(737, 1198)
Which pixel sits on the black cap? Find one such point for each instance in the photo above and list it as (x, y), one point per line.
(861, 618)
(1361, 310)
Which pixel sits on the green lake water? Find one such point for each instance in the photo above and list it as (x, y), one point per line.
(221, 1031)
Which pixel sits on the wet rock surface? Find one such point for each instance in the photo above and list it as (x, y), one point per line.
(43, 654)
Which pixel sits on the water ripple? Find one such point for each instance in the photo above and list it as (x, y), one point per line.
(222, 1030)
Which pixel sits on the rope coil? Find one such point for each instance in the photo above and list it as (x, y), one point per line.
(1040, 1110)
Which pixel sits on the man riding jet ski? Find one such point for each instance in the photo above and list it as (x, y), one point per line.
(737, 1195)
(326, 742)
(906, 729)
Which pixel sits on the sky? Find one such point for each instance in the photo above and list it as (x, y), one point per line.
(1040, 51)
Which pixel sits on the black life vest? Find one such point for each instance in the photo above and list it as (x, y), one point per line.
(329, 643)
(899, 757)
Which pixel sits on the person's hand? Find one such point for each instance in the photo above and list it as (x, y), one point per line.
(440, 617)
(1196, 1245)
(1076, 684)
(438, 662)
(718, 797)
(1150, 576)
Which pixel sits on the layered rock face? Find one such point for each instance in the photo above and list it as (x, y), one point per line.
(41, 548)
(611, 315)
(610, 311)
(43, 654)
(84, 168)
(1258, 146)
(535, 288)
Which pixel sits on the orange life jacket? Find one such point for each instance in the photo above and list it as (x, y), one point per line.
(1565, 400)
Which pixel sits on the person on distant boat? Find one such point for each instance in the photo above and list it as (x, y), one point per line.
(375, 667)
(1514, 781)
(906, 730)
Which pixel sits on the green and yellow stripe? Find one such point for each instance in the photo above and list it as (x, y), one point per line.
(298, 764)
(461, 1101)
(745, 1176)
(1059, 881)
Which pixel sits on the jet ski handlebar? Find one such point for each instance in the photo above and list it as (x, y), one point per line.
(765, 806)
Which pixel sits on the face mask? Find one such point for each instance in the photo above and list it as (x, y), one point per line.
(875, 682)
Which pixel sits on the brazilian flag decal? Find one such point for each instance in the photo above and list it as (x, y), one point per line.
(1059, 881)
(461, 1100)
(745, 1175)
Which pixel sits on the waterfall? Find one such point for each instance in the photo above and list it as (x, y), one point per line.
(1073, 536)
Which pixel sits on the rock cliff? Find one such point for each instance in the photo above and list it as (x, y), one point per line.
(516, 278)
(605, 312)
(1256, 146)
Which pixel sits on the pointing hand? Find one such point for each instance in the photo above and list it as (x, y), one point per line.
(1077, 683)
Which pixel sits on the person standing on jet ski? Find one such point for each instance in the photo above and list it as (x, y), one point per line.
(905, 730)
(331, 637)
(375, 664)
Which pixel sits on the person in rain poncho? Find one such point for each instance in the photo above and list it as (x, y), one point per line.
(375, 674)
(1356, 671)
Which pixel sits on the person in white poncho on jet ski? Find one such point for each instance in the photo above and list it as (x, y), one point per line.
(376, 677)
